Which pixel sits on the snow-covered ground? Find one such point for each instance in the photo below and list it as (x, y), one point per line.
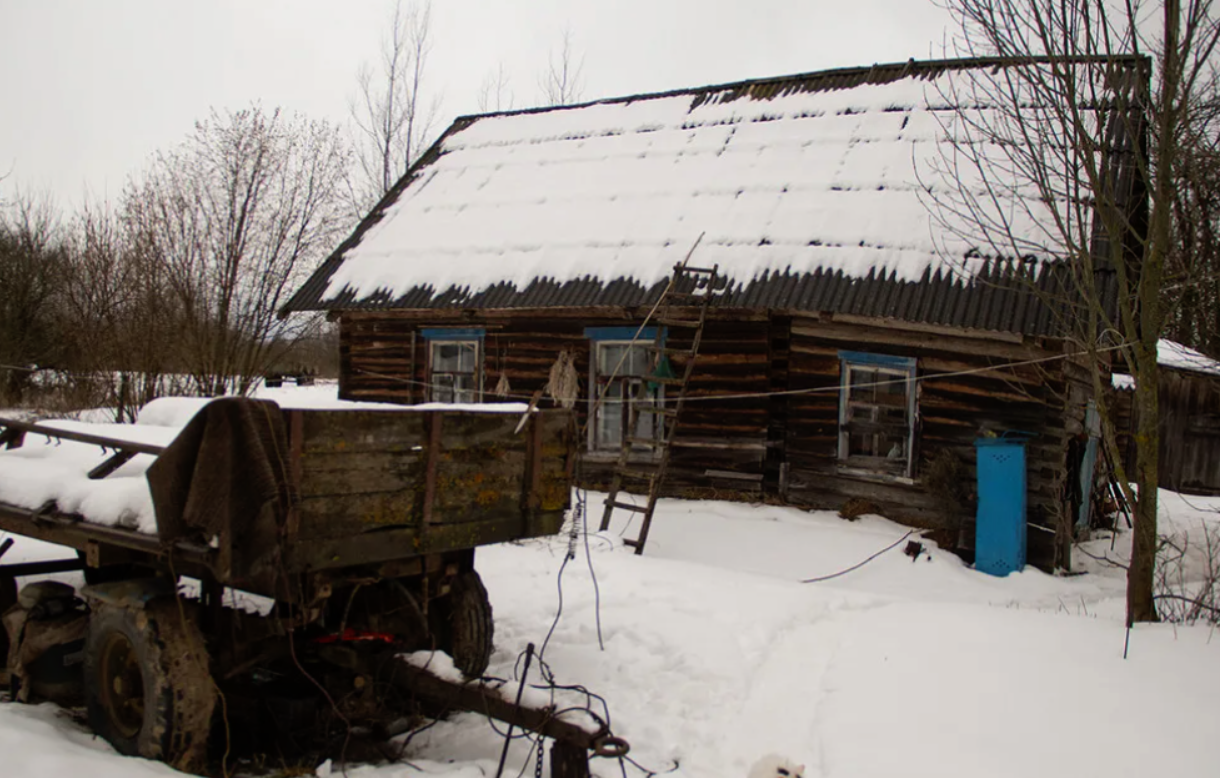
(716, 654)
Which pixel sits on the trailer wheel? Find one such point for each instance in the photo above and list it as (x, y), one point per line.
(465, 632)
(147, 689)
(8, 598)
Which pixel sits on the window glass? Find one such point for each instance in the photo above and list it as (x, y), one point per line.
(876, 417)
(618, 387)
(454, 368)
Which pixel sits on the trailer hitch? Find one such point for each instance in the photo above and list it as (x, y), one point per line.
(610, 746)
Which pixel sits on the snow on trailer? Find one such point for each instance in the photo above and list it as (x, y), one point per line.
(359, 524)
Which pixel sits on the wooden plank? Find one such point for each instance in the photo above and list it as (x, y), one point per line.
(936, 329)
(358, 472)
(338, 516)
(859, 336)
(433, 462)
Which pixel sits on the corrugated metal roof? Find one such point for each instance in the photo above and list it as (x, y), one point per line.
(996, 295)
(1003, 297)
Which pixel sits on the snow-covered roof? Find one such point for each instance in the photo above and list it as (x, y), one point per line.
(1176, 356)
(828, 174)
(1179, 357)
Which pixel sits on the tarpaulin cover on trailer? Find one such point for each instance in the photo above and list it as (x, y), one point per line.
(226, 470)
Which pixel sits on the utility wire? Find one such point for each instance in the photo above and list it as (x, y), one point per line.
(814, 390)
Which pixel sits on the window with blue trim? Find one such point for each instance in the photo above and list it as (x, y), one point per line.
(876, 412)
(620, 367)
(455, 365)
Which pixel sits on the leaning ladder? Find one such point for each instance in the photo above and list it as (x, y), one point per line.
(691, 287)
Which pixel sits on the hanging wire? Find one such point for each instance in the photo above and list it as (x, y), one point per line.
(818, 389)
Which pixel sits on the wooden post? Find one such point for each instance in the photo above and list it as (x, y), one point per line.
(434, 454)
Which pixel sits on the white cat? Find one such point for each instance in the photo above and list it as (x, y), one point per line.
(776, 766)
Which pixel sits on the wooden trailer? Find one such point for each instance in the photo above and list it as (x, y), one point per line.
(357, 529)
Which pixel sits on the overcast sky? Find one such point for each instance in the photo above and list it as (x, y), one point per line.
(90, 89)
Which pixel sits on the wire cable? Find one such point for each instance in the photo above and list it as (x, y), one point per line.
(858, 565)
(919, 379)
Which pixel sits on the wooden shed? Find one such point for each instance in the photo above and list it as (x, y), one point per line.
(1189, 404)
(857, 345)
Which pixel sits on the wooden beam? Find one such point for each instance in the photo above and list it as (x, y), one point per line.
(858, 336)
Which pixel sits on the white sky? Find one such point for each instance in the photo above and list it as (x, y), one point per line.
(89, 90)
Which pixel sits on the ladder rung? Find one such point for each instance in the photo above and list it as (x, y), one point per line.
(673, 352)
(629, 543)
(628, 506)
(643, 475)
(664, 381)
(707, 271)
(668, 322)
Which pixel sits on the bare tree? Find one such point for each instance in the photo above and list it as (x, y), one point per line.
(1192, 289)
(234, 218)
(495, 94)
(562, 82)
(1064, 137)
(124, 321)
(392, 118)
(33, 263)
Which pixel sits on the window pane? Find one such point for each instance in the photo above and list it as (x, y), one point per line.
(860, 384)
(610, 425)
(634, 357)
(454, 357)
(442, 388)
(877, 415)
(608, 355)
(455, 371)
(628, 385)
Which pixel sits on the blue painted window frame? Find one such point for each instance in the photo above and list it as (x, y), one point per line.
(453, 333)
(891, 364)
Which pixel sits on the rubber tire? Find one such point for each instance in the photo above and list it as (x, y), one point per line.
(8, 598)
(179, 695)
(467, 632)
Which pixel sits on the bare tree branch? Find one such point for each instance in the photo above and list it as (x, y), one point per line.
(1044, 174)
(562, 82)
(391, 118)
(234, 219)
(494, 93)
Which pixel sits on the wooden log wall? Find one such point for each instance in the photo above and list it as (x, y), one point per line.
(1189, 454)
(1190, 432)
(784, 447)
(952, 412)
(723, 443)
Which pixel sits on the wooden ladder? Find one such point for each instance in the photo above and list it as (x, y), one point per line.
(691, 287)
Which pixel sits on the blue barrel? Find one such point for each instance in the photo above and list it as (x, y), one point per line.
(999, 541)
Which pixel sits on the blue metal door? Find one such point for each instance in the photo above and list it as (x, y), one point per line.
(999, 545)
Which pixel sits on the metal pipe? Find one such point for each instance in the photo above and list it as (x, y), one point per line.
(83, 437)
(508, 739)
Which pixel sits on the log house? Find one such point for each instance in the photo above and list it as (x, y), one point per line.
(853, 354)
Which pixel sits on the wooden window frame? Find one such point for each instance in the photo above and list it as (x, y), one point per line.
(434, 338)
(894, 368)
(619, 336)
